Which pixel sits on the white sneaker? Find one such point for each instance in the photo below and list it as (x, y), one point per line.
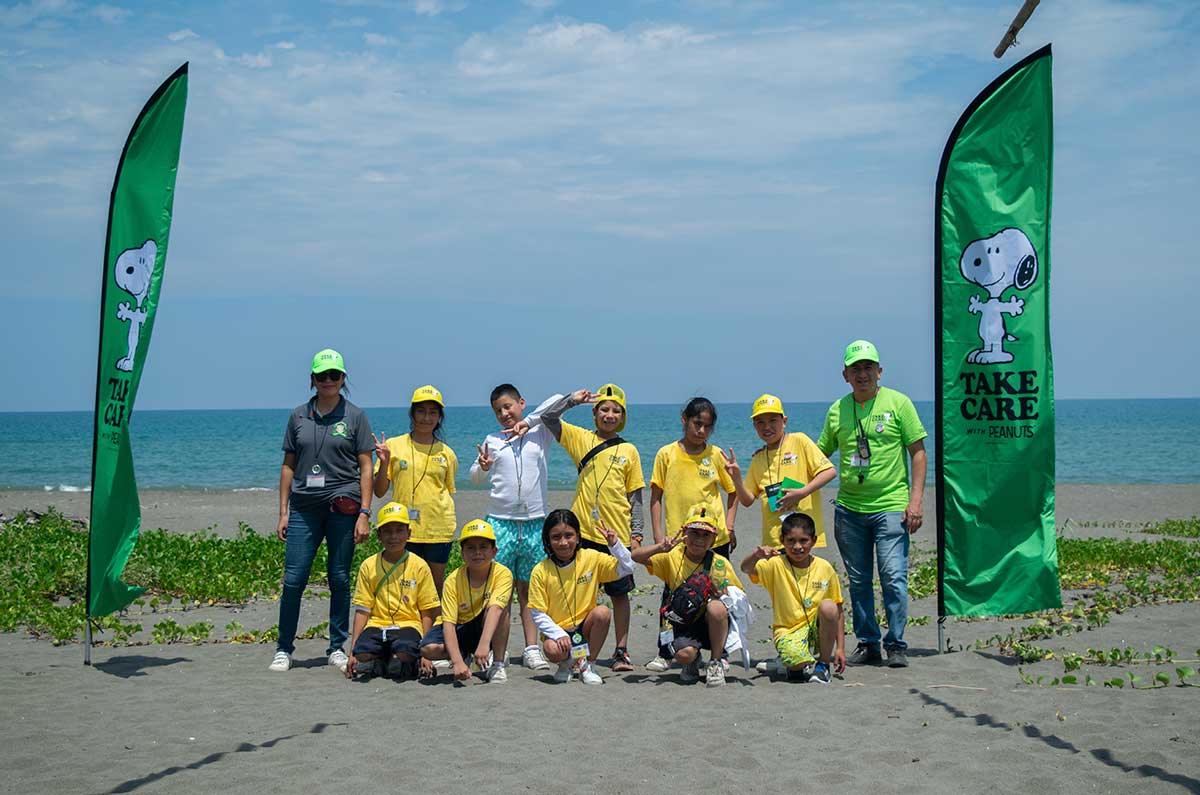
(716, 674)
(563, 674)
(338, 659)
(588, 675)
(658, 665)
(282, 662)
(534, 660)
(497, 672)
(690, 673)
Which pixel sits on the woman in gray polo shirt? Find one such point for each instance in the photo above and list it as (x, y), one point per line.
(324, 493)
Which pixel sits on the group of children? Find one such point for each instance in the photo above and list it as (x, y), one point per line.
(408, 617)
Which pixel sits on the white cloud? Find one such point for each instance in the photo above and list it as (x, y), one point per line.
(540, 4)
(258, 60)
(352, 22)
(109, 13)
(428, 8)
(24, 13)
(180, 35)
(284, 45)
(377, 40)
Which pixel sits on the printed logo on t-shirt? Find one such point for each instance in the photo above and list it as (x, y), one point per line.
(585, 578)
(789, 458)
(440, 460)
(706, 461)
(403, 464)
(706, 473)
(339, 429)
(463, 607)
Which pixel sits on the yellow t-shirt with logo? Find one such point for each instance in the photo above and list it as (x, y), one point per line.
(605, 481)
(422, 477)
(399, 601)
(796, 593)
(462, 603)
(568, 593)
(674, 567)
(687, 480)
(798, 458)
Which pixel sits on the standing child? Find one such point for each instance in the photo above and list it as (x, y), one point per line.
(420, 468)
(562, 595)
(608, 491)
(695, 576)
(394, 602)
(515, 464)
(807, 601)
(793, 456)
(475, 603)
(692, 472)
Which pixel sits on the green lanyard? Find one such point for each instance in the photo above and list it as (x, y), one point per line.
(384, 578)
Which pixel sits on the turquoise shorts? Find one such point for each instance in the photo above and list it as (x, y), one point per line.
(518, 545)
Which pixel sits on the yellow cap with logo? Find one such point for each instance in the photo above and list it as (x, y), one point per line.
(477, 528)
(616, 395)
(392, 512)
(766, 404)
(427, 392)
(701, 518)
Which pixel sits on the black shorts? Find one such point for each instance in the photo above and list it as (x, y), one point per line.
(384, 644)
(468, 635)
(431, 553)
(616, 587)
(694, 635)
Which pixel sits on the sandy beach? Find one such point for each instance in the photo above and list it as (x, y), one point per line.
(193, 718)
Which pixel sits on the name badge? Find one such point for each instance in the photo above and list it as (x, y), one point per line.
(858, 461)
(314, 482)
(595, 514)
(579, 648)
(666, 637)
(414, 514)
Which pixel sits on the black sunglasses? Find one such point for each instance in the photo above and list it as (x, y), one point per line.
(329, 375)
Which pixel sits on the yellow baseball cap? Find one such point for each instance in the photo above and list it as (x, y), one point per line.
(616, 395)
(859, 350)
(477, 528)
(766, 404)
(328, 359)
(700, 517)
(392, 512)
(427, 392)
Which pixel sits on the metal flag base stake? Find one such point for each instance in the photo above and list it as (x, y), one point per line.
(941, 634)
(87, 641)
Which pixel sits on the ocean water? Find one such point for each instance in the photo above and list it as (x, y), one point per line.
(1099, 441)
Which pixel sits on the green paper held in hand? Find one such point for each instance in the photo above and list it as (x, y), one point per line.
(995, 377)
(139, 224)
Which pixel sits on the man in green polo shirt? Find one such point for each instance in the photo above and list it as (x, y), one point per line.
(871, 428)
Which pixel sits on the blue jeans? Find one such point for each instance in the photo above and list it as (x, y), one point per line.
(863, 538)
(306, 529)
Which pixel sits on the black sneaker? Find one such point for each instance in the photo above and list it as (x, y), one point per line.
(821, 674)
(896, 658)
(865, 654)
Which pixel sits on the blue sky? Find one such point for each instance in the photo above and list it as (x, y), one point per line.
(684, 197)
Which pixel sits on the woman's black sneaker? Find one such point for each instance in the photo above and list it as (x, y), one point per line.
(865, 654)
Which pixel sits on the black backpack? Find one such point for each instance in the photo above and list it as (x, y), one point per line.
(685, 605)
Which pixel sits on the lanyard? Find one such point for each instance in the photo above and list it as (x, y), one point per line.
(518, 451)
(801, 591)
(403, 559)
(412, 453)
(483, 589)
(316, 467)
(596, 479)
(563, 588)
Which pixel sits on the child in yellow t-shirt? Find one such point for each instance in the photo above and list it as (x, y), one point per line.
(608, 490)
(784, 455)
(474, 609)
(562, 595)
(674, 564)
(420, 468)
(807, 600)
(394, 603)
